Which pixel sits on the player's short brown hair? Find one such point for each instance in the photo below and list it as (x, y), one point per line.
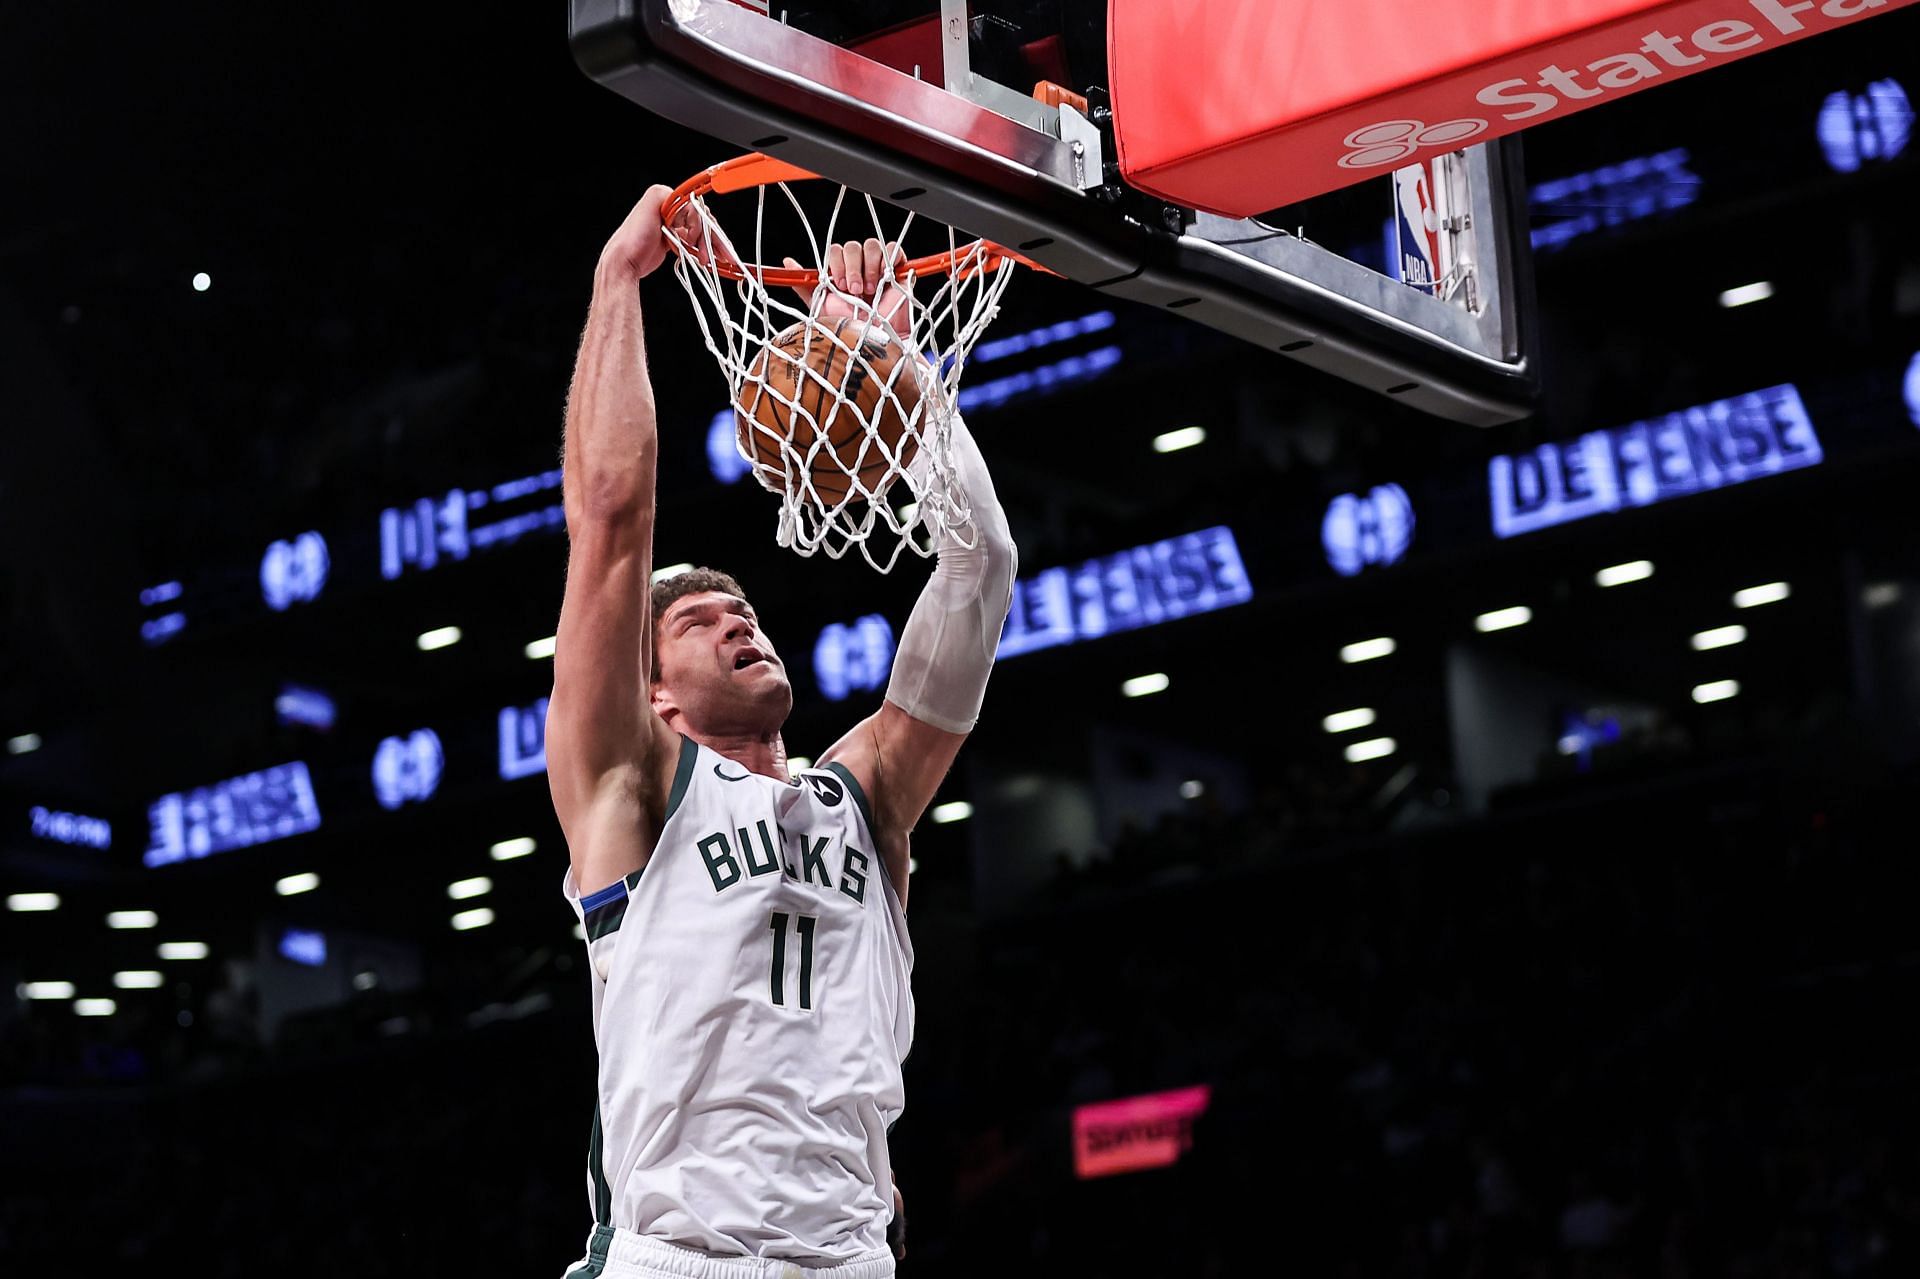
(696, 581)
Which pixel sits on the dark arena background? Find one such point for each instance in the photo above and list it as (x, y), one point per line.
(1458, 878)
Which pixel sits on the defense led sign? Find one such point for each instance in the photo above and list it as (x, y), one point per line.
(523, 740)
(240, 812)
(1696, 450)
(1159, 582)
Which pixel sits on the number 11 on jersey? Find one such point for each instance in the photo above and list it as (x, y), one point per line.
(805, 924)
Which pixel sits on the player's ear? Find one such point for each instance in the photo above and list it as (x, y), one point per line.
(662, 701)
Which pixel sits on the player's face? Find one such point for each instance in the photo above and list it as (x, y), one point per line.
(718, 667)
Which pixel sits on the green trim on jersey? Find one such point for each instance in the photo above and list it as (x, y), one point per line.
(596, 1262)
(845, 774)
(602, 1192)
(682, 777)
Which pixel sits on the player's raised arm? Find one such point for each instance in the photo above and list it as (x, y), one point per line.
(901, 753)
(606, 747)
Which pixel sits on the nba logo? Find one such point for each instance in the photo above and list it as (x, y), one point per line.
(1416, 223)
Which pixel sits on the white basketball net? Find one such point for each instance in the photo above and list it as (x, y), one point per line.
(863, 504)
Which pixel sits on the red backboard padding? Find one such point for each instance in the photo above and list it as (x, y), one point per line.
(1240, 106)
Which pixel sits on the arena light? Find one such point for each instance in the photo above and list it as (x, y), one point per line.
(1193, 788)
(138, 979)
(202, 281)
(1372, 748)
(25, 744)
(292, 885)
(461, 889)
(798, 763)
(957, 811)
(1719, 637)
(439, 637)
(132, 919)
(469, 919)
(1367, 650)
(541, 649)
(45, 990)
(508, 849)
(1755, 596)
(1621, 574)
(33, 901)
(671, 570)
(94, 1007)
(183, 950)
(1503, 619)
(579, 932)
(1718, 690)
(1183, 438)
(1347, 721)
(1758, 291)
(1145, 685)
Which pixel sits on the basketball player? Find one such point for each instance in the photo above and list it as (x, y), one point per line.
(746, 930)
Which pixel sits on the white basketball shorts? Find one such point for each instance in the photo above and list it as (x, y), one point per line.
(621, 1254)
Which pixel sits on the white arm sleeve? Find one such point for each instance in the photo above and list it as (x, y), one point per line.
(946, 652)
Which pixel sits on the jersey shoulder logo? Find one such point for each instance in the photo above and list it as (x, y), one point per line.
(826, 788)
(720, 771)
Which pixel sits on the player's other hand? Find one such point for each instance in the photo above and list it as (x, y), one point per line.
(638, 248)
(897, 1228)
(856, 277)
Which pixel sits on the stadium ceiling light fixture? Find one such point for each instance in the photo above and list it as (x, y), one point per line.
(1347, 721)
(1719, 637)
(440, 637)
(1372, 748)
(671, 570)
(1145, 685)
(1621, 574)
(1184, 438)
(183, 950)
(33, 901)
(541, 648)
(579, 932)
(461, 889)
(1758, 291)
(957, 811)
(1754, 596)
(44, 990)
(304, 882)
(95, 1007)
(1367, 650)
(202, 282)
(467, 919)
(1718, 690)
(508, 849)
(138, 979)
(1503, 619)
(24, 744)
(798, 763)
(1192, 789)
(132, 919)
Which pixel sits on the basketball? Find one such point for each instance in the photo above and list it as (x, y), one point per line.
(854, 395)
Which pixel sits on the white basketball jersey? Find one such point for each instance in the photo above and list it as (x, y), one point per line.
(752, 1010)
